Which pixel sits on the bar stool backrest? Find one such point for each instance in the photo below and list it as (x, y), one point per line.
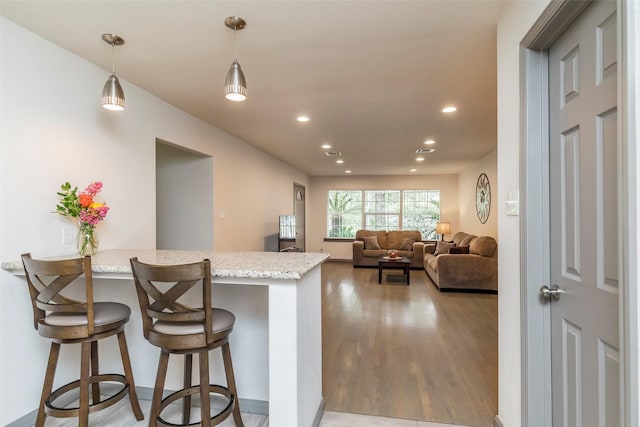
(47, 279)
(161, 293)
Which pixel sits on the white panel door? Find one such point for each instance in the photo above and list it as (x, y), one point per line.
(584, 164)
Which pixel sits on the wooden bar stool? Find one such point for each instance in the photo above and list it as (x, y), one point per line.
(170, 323)
(67, 321)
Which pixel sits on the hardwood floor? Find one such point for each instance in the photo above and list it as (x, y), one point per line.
(407, 351)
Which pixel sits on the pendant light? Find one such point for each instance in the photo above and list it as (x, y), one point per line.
(235, 85)
(112, 93)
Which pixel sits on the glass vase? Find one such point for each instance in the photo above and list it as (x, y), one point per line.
(87, 241)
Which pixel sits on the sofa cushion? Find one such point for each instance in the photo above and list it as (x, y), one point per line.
(381, 235)
(432, 262)
(443, 247)
(408, 254)
(374, 253)
(407, 244)
(459, 250)
(462, 239)
(483, 246)
(371, 242)
(395, 237)
(467, 240)
(457, 238)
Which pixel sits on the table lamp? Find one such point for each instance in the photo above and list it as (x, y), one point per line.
(443, 228)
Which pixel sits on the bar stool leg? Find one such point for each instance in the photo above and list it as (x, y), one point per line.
(205, 403)
(186, 382)
(128, 373)
(95, 371)
(156, 401)
(83, 413)
(47, 387)
(231, 383)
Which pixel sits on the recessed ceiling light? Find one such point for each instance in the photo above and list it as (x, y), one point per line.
(347, 171)
(429, 142)
(419, 159)
(326, 146)
(413, 170)
(449, 109)
(303, 119)
(340, 161)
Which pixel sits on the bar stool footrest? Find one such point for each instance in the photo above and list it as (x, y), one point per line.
(213, 389)
(59, 412)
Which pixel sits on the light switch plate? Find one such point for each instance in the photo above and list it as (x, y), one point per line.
(68, 235)
(513, 204)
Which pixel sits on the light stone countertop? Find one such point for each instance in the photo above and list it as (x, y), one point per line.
(255, 265)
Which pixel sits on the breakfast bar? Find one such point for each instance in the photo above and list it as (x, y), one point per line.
(292, 280)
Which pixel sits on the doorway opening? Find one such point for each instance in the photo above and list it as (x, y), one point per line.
(184, 198)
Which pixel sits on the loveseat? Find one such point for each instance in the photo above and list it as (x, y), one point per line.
(370, 245)
(468, 263)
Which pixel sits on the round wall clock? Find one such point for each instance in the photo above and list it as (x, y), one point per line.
(483, 198)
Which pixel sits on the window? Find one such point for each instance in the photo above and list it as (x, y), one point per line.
(421, 211)
(344, 213)
(382, 210)
(349, 211)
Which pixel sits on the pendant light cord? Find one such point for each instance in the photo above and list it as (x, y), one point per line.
(235, 45)
(113, 58)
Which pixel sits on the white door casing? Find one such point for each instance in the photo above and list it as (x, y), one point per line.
(299, 212)
(584, 164)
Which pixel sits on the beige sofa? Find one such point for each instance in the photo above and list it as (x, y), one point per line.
(473, 271)
(370, 245)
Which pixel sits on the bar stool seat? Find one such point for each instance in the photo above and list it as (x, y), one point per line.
(221, 321)
(67, 321)
(177, 327)
(106, 316)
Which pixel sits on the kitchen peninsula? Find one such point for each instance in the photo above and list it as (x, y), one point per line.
(292, 281)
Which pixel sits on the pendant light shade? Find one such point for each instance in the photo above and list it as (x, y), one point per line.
(235, 85)
(112, 93)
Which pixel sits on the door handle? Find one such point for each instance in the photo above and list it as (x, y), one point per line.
(553, 292)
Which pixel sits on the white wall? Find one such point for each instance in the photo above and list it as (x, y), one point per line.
(320, 185)
(516, 20)
(54, 130)
(467, 180)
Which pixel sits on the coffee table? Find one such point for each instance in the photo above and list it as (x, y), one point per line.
(400, 263)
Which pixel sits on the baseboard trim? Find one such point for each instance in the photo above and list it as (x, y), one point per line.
(260, 407)
(497, 422)
(319, 414)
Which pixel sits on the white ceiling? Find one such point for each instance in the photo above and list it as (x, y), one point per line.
(372, 75)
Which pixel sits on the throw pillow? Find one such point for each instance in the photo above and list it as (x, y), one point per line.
(459, 250)
(407, 244)
(371, 242)
(443, 248)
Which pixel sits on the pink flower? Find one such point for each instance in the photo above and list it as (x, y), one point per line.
(102, 211)
(93, 188)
